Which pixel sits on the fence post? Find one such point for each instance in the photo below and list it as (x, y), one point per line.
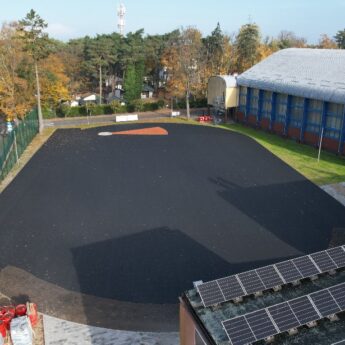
(15, 145)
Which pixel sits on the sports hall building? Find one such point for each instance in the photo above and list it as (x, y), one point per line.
(298, 93)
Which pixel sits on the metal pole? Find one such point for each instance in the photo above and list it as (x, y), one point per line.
(320, 146)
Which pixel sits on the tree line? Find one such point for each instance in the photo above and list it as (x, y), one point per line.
(35, 68)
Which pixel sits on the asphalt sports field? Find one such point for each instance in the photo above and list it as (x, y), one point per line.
(138, 218)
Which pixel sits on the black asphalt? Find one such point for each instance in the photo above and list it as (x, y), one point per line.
(138, 218)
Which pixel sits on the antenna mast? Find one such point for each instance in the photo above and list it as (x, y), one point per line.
(121, 12)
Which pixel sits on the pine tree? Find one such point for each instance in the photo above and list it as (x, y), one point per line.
(36, 43)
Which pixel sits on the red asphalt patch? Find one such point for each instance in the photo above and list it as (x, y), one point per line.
(144, 131)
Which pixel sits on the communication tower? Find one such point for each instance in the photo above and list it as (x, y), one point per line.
(121, 12)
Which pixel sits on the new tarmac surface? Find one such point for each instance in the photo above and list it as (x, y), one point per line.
(137, 219)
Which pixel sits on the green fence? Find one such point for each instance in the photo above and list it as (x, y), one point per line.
(13, 144)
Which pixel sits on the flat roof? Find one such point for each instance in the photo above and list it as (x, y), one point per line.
(310, 73)
(326, 332)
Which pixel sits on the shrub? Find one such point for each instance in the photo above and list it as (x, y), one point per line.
(161, 103)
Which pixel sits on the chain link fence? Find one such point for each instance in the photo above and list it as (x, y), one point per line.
(13, 144)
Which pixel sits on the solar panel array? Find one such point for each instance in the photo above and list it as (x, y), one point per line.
(265, 323)
(261, 279)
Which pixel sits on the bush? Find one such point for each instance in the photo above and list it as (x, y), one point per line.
(161, 103)
(48, 113)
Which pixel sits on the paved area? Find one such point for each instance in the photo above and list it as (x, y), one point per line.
(60, 332)
(131, 222)
(106, 119)
(337, 191)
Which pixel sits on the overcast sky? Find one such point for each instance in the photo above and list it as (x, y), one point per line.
(76, 18)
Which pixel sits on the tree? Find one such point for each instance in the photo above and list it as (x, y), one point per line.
(217, 48)
(246, 46)
(134, 81)
(54, 82)
(100, 54)
(185, 60)
(154, 50)
(340, 39)
(36, 43)
(326, 42)
(288, 39)
(15, 100)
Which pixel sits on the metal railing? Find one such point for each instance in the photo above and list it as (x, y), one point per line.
(13, 144)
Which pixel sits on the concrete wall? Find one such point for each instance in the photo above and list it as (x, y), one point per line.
(187, 327)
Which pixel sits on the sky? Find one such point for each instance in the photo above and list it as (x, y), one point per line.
(76, 18)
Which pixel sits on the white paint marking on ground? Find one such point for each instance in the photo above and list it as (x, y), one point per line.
(61, 332)
(337, 191)
(105, 134)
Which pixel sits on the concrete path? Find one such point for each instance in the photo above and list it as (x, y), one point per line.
(101, 119)
(337, 191)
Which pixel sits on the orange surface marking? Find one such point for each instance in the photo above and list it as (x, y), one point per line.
(144, 131)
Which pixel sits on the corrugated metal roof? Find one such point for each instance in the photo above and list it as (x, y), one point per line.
(230, 81)
(310, 73)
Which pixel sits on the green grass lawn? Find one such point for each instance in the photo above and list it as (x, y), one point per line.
(303, 158)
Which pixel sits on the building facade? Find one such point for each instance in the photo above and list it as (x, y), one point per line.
(299, 93)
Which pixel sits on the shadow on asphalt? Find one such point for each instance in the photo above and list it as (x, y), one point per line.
(296, 221)
(152, 266)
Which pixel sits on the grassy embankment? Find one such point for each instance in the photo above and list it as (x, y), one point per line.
(303, 158)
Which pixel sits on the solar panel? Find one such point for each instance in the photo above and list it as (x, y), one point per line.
(261, 324)
(251, 282)
(210, 293)
(282, 317)
(231, 287)
(325, 303)
(269, 276)
(337, 255)
(338, 293)
(304, 310)
(324, 261)
(306, 266)
(240, 285)
(289, 271)
(239, 331)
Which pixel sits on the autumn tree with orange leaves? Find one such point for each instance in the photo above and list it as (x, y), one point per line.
(185, 62)
(15, 100)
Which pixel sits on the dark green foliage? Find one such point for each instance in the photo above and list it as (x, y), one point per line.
(247, 45)
(130, 84)
(340, 39)
(36, 42)
(104, 109)
(134, 81)
(215, 50)
(197, 103)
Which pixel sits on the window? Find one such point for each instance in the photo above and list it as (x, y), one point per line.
(297, 109)
(267, 104)
(334, 120)
(254, 102)
(314, 116)
(243, 98)
(281, 108)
